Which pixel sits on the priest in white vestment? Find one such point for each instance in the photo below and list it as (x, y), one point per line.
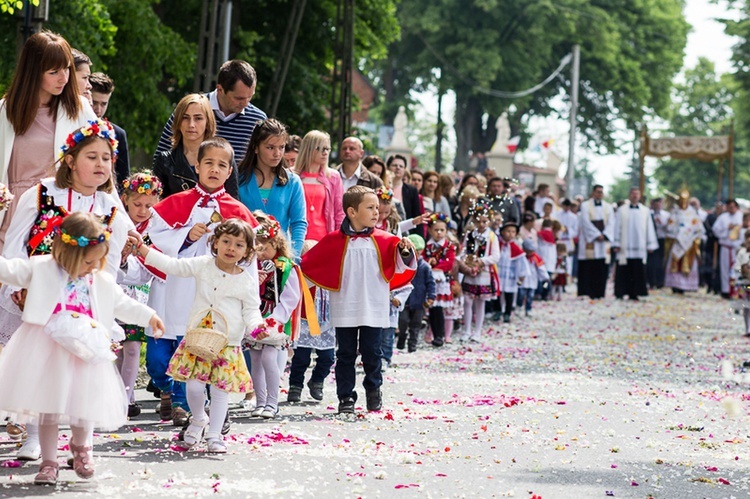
(635, 238)
(727, 229)
(595, 233)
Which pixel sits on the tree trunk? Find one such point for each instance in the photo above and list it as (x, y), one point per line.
(389, 84)
(468, 120)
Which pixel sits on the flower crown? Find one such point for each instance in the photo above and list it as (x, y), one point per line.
(384, 194)
(480, 208)
(83, 241)
(439, 217)
(268, 231)
(143, 183)
(5, 196)
(101, 128)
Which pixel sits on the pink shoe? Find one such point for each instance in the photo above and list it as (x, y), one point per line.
(83, 461)
(47, 475)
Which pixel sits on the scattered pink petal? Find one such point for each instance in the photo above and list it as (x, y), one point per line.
(11, 464)
(723, 481)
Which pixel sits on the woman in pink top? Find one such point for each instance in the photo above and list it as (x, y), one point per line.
(324, 191)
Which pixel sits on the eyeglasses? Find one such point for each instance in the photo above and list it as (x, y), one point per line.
(323, 149)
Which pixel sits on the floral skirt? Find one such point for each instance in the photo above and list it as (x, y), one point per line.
(227, 372)
(134, 333)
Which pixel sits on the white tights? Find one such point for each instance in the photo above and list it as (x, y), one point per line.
(47, 436)
(473, 309)
(128, 362)
(266, 376)
(196, 398)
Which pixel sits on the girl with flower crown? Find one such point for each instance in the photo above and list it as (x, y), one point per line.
(478, 264)
(440, 254)
(57, 368)
(140, 192)
(83, 182)
(38, 111)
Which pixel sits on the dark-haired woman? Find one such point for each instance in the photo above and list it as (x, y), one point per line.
(38, 112)
(267, 185)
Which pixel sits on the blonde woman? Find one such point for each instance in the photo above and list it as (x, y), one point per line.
(322, 185)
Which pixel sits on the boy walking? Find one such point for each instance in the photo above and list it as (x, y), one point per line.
(360, 265)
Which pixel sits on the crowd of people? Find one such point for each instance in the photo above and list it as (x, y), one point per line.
(244, 245)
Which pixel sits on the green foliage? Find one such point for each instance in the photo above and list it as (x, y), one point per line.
(11, 6)
(702, 106)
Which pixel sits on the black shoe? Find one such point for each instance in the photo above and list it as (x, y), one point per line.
(374, 400)
(152, 388)
(227, 425)
(506, 318)
(437, 343)
(401, 344)
(295, 394)
(316, 390)
(346, 405)
(133, 410)
(412, 349)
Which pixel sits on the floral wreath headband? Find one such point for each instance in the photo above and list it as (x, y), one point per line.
(384, 194)
(439, 217)
(100, 128)
(83, 241)
(480, 208)
(143, 183)
(268, 231)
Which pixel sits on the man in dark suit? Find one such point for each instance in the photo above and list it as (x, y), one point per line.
(351, 169)
(102, 87)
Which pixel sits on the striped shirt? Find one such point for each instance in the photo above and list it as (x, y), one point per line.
(237, 129)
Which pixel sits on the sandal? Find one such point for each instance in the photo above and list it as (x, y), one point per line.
(165, 406)
(83, 461)
(216, 446)
(16, 431)
(193, 434)
(47, 475)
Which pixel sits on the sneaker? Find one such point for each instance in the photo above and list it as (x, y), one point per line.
(247, 404)
(374, 400)
(257, 412)
(346, 405)
(29, 451)
(134, 410)
(216, 446)
(165, 406)
(316, 390)
(47, 475)
(269, 412)
(295, 394)
(179, 416)
(227, 425)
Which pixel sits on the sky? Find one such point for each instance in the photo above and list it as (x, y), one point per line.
(706, 39)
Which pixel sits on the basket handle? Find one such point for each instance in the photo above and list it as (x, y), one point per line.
(214, 313)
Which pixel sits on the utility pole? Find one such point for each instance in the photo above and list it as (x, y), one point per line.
(213, 42)
(440, 126)
(575, 71)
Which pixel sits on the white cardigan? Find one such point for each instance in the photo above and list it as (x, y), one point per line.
(45, 280)
(63, 127)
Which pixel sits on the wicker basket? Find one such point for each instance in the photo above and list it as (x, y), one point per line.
(207, 340)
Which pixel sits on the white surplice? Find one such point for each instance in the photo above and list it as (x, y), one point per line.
(635, 234)
(728, 230)
(587, 231)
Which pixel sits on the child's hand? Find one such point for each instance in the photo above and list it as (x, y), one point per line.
(135, 237)
(198, 231)
(421, 219)
(406, 244)
(395, 302)
(262, 333)
(432, 262)
(429, 303)
(19, 298)
(157, 326)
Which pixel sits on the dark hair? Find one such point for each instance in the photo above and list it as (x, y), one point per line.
(541, 187)
(732, 201)
(42, 52)
(292, 143)
(528, 204)
(101, 83)
(437, 196)
(374, 159)
(464, 180)
(493, 180)
(233, 70)
(566, 202)
(354, 196)
(546, 223)
(80, 58)
(263, 130)
(397, 156)
(597, 186)
(234, 227)
(64, 173)
(218, 143)
(528, 216)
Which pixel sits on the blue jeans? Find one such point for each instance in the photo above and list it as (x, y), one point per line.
(158, 354)
(301, 361)
(368, 340)
(386, 345)
(528, 295)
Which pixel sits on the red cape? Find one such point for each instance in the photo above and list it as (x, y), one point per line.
(323, 264)
(547, 236)
(176, 209)
(515, 250)
(535, 259)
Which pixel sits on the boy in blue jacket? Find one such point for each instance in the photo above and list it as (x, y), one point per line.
(421, 298)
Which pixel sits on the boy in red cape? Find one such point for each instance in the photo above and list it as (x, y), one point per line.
(181, 226)
(359, 265)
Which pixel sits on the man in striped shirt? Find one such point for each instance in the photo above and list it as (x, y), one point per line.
(235, 115)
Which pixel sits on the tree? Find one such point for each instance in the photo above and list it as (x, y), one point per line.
(630, 51)
(702, 106)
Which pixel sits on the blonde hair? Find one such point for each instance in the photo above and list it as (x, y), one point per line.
(469, 194)
(279, 242)
(179, 114)
(312, 141)
(78, 224)
(64, 174)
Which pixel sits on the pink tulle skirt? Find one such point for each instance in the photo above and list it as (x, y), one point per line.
(42, 382)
